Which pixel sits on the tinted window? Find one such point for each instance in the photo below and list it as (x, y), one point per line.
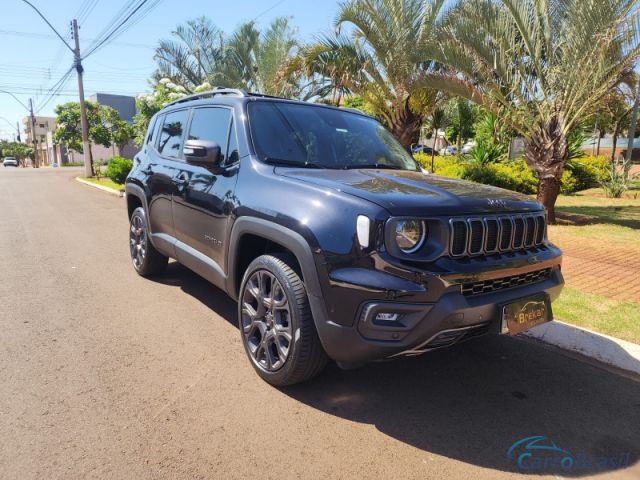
(151, 130)
(323, 137)
(172, 132)
(211, 124)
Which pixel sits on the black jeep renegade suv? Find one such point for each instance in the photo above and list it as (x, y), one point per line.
(334, 242)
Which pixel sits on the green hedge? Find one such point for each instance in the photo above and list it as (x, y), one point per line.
(118, 169)
(579, 174)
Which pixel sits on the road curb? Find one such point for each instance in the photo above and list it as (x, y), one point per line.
(112, 191)
(602, 348)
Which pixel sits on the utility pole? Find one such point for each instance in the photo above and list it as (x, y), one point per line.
(33, 134)
(88, 158)
(18, 130)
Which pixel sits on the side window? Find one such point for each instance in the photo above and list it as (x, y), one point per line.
(211, 124)
(233, 154)
(172, 133)
(151, 130)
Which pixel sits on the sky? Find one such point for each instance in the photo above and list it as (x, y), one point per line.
(33, 59)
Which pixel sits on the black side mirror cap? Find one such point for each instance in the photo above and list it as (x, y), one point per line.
(205, 153)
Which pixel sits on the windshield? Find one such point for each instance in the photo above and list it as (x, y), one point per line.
(318, 137)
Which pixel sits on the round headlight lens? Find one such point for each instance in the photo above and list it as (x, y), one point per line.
(410, 235)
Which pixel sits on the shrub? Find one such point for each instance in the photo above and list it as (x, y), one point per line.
(118, 169)
(586, 172)
(616, 182)
(485, 152)
(512, 176)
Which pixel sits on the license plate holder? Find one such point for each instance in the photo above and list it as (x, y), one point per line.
(525, 313)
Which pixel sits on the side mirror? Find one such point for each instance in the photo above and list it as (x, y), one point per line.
(205, 153)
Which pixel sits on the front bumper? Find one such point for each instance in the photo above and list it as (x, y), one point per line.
(421, 326)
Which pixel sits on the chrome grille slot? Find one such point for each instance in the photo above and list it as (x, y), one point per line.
(506, 227)
(530, 234)
(540, 227)
(476, 236)
(458, 237)
(489, 235)
(518, 233)
(492, 236)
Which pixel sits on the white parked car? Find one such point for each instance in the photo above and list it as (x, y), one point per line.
(10, 162)
(450, 150)
(467, 147)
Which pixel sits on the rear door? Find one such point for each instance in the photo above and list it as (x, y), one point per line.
(203, 198)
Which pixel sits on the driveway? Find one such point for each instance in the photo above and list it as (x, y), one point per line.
(106, 374)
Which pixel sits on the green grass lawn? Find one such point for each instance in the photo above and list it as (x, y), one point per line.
(595, 312)
(614, 223)
(105, 182)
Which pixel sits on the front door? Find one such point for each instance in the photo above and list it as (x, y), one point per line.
(202, 203)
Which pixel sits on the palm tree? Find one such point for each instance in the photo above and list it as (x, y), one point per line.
(258, 61)
(382, 59)
(544, 64)
(194, 58)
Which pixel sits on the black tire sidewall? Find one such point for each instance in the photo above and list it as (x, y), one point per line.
(269, 263)
(139, 212)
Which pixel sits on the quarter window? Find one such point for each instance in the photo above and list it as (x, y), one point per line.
(211, 124)
(172, 133)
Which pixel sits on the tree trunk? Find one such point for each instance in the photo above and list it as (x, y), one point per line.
(598, 147)
(546, 154)
(614, 143)
(405, 126)
(433, 150)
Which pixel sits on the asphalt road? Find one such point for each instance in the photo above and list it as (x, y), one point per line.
(106, 374)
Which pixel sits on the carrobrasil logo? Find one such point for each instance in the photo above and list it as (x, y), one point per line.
(539, 454)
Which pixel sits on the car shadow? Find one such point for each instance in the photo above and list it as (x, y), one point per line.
(471, 402)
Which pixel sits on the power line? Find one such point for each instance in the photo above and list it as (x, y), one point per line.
(121, 27)
(18, 33)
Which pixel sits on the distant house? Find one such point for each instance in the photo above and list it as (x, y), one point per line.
(46, 152)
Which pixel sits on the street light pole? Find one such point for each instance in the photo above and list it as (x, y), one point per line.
(86, 147)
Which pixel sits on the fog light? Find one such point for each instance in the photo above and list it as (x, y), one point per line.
(387, 317)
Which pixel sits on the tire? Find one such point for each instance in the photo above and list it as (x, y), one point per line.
(145, 258)
(274, 313)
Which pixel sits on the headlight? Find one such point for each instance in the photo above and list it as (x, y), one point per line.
(410, 235)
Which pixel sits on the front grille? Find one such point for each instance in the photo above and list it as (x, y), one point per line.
(480, 236)
(488, 286)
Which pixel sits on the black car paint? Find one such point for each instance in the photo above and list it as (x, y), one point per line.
(200, 218)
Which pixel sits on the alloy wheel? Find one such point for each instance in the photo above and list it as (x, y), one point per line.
(137, 241)
(266, 321)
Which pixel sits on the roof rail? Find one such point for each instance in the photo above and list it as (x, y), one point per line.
(210, 93)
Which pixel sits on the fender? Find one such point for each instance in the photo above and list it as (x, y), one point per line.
(300, 248)
(278, 234)
(133, 190)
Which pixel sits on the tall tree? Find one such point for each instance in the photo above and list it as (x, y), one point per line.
(380, 52)
(194, 57)
(544, 64)
(258, 61)
(105, 126)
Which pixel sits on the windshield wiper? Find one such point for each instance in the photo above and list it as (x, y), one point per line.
(373, 165)
(291, 163)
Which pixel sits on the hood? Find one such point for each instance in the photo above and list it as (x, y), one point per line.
(403, 192)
